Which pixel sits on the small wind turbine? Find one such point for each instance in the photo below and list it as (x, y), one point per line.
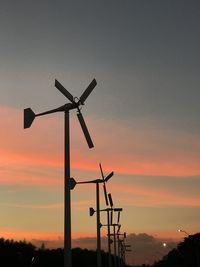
(124, 248)
(75, 103)
(97, 182)
(114, 225)
(108, 210)
(120, 243)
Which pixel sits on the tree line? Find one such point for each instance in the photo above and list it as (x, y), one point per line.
(25, 254)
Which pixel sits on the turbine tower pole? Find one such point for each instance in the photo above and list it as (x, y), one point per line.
(109, 239)
(67, 195)
(115, 248)
(98, 227)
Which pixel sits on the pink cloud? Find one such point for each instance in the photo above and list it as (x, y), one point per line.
(80, 204)
(40, 235)
(127, 149)
(151, 196)
(20, 235)
(29, 206)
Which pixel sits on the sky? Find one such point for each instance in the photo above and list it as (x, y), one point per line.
(143, 116)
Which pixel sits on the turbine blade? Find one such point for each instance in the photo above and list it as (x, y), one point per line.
(29, 116)
(87, 91)
(85, 130)
(111, 217)
(119, 227)
(101, 171)
(118, 217)
(109, 176)
(105, 194)
(110, 200)
(64, 91)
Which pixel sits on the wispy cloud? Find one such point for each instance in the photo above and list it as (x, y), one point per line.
(131, 150)
(33, 206)
(149, 196)
(75, 204)
(34, 157)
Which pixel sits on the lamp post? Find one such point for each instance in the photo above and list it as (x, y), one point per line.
(183, 231)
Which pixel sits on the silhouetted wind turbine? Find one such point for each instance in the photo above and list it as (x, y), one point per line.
(75, 103)
(124, 248)
(114, 225)
(121, 247)
(97, 182)
(118, 240)
(108, 210)
(108, 217)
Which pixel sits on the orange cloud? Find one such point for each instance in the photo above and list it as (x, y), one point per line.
(75, 204)
(167, 236)
(134, 195)
(37, 235)
(28, 235)
(129, 149)
(39, 206)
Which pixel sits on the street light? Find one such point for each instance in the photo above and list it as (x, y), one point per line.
(75, 103)
(183, 231)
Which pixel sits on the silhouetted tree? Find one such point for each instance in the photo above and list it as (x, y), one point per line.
(187, 254)
(23, 254)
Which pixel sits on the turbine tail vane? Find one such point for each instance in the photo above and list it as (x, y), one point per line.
(72, 183)
(29, 116)
(85, 130)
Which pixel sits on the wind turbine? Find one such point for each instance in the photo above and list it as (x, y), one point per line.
(118, 240)
(120, 245)
(106, 196)
(114, 225)
(109, 224)
(97, 182)
(108, 210)
(74, 103)
(125, 248)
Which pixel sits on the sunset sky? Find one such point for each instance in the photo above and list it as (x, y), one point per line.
(143, 115)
